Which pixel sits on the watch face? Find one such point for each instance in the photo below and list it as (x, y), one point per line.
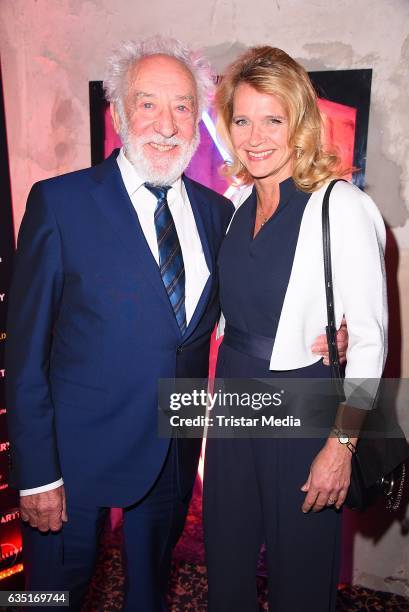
(344, 439)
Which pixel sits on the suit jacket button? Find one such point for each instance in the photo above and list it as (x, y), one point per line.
(179, 350)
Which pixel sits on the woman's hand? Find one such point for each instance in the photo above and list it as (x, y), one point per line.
(329, 477)
(320, 346)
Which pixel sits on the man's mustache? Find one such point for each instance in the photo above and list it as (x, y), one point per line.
(160, 140)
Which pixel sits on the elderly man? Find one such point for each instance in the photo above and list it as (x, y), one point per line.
(114, 288)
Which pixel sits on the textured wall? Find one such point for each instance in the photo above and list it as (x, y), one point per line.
(50, 50)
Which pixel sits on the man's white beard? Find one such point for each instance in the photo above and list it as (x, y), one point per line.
(170, 169)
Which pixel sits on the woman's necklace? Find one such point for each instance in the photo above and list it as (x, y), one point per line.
(262, 214)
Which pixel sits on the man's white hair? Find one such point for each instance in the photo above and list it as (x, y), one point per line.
(130, 52)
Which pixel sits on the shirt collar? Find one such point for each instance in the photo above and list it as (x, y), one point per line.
(133, 181)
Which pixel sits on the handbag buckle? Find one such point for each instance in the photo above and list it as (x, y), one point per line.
(388, 484)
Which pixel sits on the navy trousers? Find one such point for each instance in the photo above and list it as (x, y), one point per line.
(252, 496)
(152, 526)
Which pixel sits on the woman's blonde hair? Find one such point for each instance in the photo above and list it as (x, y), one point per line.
(270, 70)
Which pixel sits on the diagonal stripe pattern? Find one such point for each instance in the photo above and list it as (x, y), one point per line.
(171, 264)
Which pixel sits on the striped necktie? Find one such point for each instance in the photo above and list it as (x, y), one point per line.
(171, 264)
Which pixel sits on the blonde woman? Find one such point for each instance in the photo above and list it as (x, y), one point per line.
(286, 492)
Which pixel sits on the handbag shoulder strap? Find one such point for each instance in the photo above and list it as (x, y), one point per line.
(331, 329)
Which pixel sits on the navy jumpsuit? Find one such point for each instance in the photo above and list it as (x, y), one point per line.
(252, 486)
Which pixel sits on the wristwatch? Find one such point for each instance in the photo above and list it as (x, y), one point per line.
(344, 440)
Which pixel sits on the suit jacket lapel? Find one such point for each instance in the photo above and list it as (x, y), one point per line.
(203, 224)
(114, 203)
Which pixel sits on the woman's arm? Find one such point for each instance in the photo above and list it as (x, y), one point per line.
(358, 239)
(357, 249)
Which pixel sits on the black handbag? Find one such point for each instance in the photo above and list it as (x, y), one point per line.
(378, 464)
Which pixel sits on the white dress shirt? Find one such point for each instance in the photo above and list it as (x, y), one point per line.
(196, 270)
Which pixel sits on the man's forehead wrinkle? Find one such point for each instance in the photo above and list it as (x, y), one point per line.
(152, 95)
(147, 94)
(144, 94)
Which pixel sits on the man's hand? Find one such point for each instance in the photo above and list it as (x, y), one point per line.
(46, 511)
(320, 346)
(329, 477)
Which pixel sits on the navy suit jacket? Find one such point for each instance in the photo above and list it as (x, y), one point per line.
(90, 332)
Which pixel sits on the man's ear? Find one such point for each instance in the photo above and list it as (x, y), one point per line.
(115, 117)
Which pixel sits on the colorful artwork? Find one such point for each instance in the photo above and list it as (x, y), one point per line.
(10, 536)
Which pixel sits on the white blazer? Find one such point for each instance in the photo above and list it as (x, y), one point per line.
(357, 250)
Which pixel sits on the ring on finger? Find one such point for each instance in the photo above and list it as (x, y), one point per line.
(331, 501)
